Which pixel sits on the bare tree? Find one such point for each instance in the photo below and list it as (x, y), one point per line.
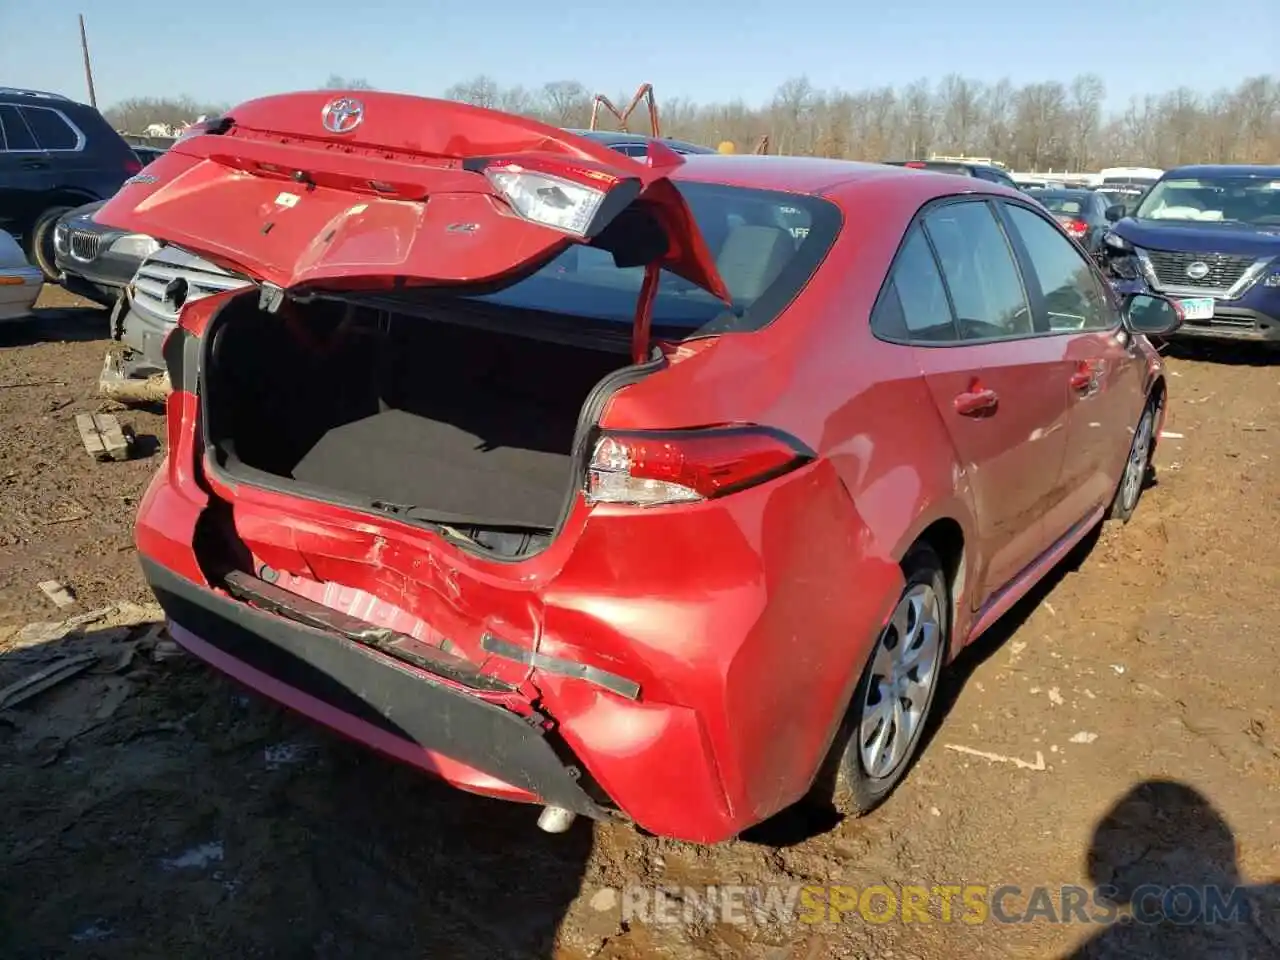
(339, 82)
(481, 91)
(1038, 126)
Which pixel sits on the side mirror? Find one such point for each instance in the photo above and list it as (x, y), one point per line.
(1116, 212)
(1152, 315)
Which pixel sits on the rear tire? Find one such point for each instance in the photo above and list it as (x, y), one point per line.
(893, 701)
(1138, 469)
(40, 246)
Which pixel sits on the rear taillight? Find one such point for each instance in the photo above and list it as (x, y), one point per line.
(683, 466)
(1077, 228)
(914, 165)
(565, 197)
(132, 165)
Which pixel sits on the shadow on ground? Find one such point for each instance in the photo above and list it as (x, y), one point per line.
(151, 809)
(1224, 352)
(1166, 857)
(57, 325)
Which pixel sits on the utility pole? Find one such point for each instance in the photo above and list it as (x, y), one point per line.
(88, 70)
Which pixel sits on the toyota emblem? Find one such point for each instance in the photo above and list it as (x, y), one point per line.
(1198, 270)
(342, 115)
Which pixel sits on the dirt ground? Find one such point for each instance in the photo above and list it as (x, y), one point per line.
(150, 809)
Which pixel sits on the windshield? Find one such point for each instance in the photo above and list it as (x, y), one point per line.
(1069, 204)
(1247, 200)
(766, 244)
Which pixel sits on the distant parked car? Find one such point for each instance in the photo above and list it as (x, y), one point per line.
(20, 282)
(55, 155)
(1082, 213)
(1209, 236)
(96, 261)
(637, 144)
(1121, 194)
(983, 171)
(148, 154)
(166, 281)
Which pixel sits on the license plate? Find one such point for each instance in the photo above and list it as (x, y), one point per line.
(1201, 308)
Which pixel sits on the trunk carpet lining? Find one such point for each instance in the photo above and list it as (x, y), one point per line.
(407, 459)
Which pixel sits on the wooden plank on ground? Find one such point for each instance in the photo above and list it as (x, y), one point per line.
(103, 436)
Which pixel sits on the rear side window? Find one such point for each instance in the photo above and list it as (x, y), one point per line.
(50, 128)
(1073, 296)
(766, 245)
(980, 272)
(16, 133)
(913, 305)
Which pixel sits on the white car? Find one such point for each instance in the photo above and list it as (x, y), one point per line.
(20, 282)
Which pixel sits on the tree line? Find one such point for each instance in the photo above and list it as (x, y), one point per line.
(1041, 126)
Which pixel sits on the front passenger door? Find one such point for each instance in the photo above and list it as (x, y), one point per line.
(1000, 389)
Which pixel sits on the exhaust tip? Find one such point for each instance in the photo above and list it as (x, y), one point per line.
(556, 819)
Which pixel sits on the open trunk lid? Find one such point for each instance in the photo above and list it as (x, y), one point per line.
(345, 191)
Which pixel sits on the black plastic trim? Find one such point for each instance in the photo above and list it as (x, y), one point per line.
(405, 702)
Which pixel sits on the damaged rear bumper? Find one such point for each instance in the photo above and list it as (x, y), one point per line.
(406, 713)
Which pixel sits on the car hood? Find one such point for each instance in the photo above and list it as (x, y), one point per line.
(408, 192)
(1200, 237)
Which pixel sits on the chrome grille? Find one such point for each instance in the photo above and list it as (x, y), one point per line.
(85, 244)
(172, 277)
(1224, 269)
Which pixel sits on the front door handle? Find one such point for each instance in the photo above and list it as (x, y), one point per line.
(1085, 379)
(35, 164)
(977, 403)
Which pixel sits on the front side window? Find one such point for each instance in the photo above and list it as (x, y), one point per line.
(1074, 300)
(980, 272)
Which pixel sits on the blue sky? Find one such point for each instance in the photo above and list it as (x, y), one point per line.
(232, 50)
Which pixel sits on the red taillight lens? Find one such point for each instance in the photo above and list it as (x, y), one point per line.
(132, 165)
(914, 165)
(1077, 228)
(683, 466)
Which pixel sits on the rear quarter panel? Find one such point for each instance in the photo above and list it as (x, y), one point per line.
(888, 471)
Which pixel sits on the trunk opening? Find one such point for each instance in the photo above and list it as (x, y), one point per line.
(428, 417)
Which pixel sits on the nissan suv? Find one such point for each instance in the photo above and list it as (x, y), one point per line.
(55, 155)
(1209, 235)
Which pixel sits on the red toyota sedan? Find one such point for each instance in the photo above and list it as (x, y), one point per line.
(661, 491)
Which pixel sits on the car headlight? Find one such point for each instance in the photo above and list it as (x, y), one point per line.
(135, 245)
(1115, 241)
(60, 232)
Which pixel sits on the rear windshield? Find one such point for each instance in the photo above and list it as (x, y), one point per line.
(766, 244)
(1062, 203)
(1129, 181)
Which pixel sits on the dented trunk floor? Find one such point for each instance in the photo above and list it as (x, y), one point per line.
(406, 459)
(155, 811)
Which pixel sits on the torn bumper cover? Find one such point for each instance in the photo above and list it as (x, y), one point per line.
(431, 723)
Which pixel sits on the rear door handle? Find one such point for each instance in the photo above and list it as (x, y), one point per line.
(35, 164)
(977, 403)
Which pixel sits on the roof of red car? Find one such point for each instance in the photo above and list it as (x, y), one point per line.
(817, 175)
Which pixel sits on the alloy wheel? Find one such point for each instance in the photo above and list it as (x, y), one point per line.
(1135, 471)
(904, 670)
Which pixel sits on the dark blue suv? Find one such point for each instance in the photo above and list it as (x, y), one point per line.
(1209, 235)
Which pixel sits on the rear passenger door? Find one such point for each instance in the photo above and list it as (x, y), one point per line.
(1105, 374)
(999, 385)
